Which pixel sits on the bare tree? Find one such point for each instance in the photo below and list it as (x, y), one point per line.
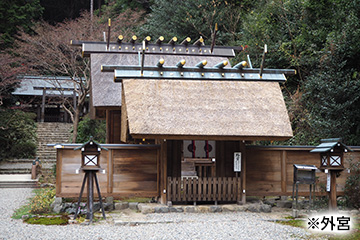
(49, 52)
(9, 71)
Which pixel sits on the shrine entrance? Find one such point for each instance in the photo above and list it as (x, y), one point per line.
(207, 172)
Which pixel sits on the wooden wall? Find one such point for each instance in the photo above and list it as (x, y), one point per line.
(134, 170)
(269, 170)
(68, 183)
(131, 170)
(134, 173)
(113, 126)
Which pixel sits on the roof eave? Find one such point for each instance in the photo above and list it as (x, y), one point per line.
(210, 137)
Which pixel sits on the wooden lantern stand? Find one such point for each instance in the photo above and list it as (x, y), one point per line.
(332, 162)
(90, 164)
(332, 193)
(90, 176)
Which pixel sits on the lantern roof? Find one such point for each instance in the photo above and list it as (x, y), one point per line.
(91, 142)
(329, 144)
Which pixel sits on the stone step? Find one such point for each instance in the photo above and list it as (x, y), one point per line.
(17, 181)
(47, 150)
(14, 171)
(19, 160)
(22, 166)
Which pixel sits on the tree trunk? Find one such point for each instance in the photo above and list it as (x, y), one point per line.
(76, 123)
(91, 16)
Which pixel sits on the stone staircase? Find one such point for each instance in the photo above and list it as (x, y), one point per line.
(47, 133)
(17, 172)
(51, 133)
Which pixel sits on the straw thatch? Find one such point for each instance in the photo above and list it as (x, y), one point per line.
(196, 110)
(175, 109)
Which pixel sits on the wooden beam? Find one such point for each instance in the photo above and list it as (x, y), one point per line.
(210, 137)
(54, 88)
(89, 48)
(193, 74)
(303, 194)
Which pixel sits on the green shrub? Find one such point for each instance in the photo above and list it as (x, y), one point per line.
(90, 127)
(352, 186)
(41, 202)
(23, 210)
(25, 149)
(17, 134)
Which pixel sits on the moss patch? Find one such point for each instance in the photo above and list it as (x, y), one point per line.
(293, 223)
(48, 220)
(136, 199)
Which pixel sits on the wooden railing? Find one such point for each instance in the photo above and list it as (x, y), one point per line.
(203, 189)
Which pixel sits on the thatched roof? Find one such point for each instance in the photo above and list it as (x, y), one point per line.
(177, 109)
(211, 110)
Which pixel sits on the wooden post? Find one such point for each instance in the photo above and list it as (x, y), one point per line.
(90, 194)
(163, 171)
(110, 172)
(283, 172)
(332, 195)
(38, 114)
(59, 165)
(43, 106)
(243, 172)
(108, 126)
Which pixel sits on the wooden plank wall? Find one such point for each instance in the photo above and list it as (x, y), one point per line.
(270, 170)
(129, 172)
(113, 128)
(68, 183)
(135, 173)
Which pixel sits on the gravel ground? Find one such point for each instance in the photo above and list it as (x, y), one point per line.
(239, 225)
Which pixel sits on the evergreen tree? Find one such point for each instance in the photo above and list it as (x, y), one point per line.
(16, 15)
(188, 18)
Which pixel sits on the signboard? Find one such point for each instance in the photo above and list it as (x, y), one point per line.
(237, 161)
(328, 182)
